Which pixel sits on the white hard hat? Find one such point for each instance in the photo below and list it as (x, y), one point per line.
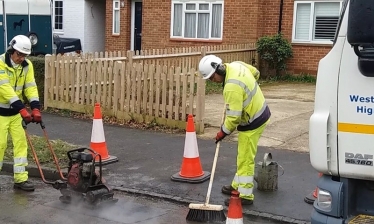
(205, 66)
(21, 43)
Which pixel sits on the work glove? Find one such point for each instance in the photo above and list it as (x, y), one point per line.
(220, 135)
(37, 116)
(25, 115)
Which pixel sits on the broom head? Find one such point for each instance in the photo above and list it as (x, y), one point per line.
(206, 213)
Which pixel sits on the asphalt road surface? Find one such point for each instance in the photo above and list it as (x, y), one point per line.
(43, 206)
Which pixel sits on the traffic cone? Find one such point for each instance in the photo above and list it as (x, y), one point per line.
(235, 211)
(98, 143)
(191, 170)
(311, 197)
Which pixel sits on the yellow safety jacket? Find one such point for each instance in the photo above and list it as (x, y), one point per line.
(14, 83)
(246, 108)
(255, 72)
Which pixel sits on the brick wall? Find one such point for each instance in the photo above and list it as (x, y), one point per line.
(119, 42)
(306, 56)
(260, 17)
(237, 27)
(156, 25)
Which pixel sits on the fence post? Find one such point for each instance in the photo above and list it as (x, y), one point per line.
(200, 98)
(129, 58)
(47, 61)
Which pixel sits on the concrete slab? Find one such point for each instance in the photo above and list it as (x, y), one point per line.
(291, 106)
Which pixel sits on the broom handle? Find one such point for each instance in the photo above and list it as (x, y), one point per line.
(214, 163)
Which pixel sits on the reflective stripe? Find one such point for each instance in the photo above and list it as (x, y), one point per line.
(243, 179)
(13, 99)
(2, 82)
(26, 70)
(233, 113)
(34, 99)
(258, 113)
(224, 129)
(19, 169)
(249, 93)
(30, 84)
(17, 88)
(249, 99)
(254, 116)
(1, 165)
(20, 160)
(4, 105)
(245, 191)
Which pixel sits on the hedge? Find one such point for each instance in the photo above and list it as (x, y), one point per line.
(39, 66)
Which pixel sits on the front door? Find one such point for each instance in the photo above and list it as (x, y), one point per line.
(138, 26)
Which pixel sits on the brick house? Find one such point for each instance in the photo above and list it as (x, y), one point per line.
(308, 25)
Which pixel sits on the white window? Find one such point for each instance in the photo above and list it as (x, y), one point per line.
(197, 19)
(315, 21)
(58, 9)
(116, 17)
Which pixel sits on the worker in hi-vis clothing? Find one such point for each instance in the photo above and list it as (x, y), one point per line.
(246, 111)
(17, 79)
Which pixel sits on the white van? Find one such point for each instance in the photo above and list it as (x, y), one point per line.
(341, 128)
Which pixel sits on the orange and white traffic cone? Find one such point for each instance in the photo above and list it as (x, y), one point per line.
(191, 169)
(311, 197)
(98, 143)
(235, 211)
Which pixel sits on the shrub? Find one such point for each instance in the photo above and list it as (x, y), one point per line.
(39, 66)
(274, 50)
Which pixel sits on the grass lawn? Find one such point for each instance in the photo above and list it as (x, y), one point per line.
(42, 150)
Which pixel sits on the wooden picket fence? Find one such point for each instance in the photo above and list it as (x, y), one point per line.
(144, 87)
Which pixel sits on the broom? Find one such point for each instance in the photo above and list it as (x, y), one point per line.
(207, 212)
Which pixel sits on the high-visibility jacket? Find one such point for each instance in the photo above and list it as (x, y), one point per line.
(246, 108)
(14, 83)
(255, 72)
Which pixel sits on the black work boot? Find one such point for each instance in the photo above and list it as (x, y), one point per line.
(25, 186)
(243, 201)
(227, 189)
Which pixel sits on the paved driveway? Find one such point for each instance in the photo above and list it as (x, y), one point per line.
(291, 106)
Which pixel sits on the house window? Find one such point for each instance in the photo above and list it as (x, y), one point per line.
(116, 17)
(197, 20)
(58, 15)
(315, 21)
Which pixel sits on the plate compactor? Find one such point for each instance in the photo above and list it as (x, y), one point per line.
(83, 183)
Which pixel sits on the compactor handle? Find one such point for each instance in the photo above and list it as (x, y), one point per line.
(24, 124)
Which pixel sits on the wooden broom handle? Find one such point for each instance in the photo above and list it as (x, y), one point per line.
(215, 161)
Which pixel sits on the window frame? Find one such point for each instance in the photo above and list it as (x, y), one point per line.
(311, 22)
(119, 17)
(54, 17)
(184, 2)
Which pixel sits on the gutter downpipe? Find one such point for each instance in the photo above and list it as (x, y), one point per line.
(280, 16)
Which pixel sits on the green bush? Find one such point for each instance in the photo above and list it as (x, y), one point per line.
(39, 67)
(274, 50)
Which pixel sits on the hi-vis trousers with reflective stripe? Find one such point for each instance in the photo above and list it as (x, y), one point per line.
(13, 125)
(247, 150)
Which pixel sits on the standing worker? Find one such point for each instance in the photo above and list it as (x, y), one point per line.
(17, 80)
(246, 111)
